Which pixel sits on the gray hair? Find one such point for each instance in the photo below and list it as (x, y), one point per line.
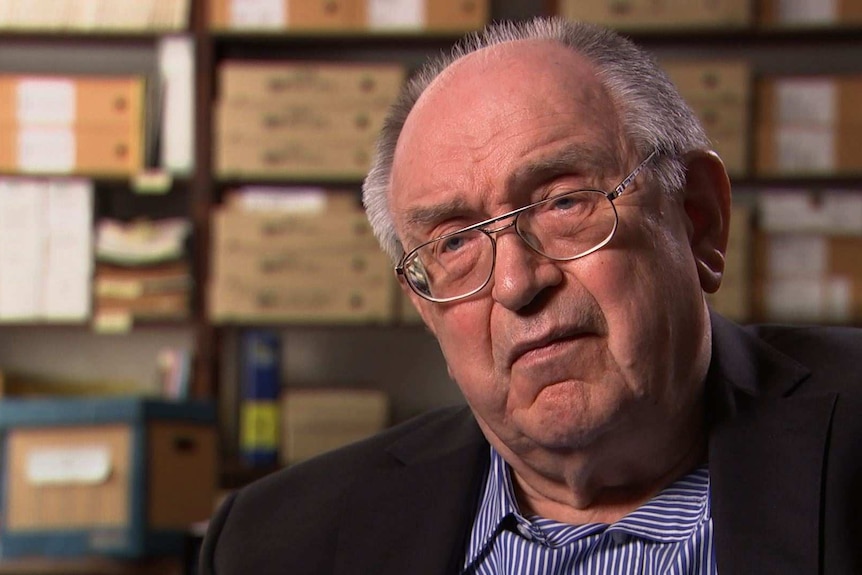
(653, 114)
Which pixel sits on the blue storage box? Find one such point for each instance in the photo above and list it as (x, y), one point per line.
(124, 477)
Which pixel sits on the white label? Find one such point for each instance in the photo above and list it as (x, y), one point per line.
(843, 210)
(258, 14)
(807, 11)
(806, 101)
(792, 255)
(52, 466)
(46, 101)
(839, 299)
(795, 300)
(800, 149)
(298, 200)
(384, 14)
(44, 149)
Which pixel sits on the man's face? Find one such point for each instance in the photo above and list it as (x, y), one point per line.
(551, 356)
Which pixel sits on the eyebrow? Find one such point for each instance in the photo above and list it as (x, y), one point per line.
(571, 159)
(576, 158)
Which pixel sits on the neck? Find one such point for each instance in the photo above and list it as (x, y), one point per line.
(601, 486)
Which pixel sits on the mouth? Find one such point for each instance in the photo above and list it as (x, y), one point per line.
(546, 345)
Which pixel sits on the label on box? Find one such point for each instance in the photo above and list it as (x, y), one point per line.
(396, 14)
(258, 13)
(793, 255)
(795, 299)
(70, 465)
(806, 101)
(46, 101)
(807, 11)
(802, 149)
(45, 149)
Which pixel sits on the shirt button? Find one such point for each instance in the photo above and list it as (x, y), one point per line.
(619, 537)
(525, 531)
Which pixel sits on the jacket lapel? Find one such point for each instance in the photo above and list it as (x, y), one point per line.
(415, 516)
(766, 464)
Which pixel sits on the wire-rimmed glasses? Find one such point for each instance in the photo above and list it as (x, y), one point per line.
(564, 227)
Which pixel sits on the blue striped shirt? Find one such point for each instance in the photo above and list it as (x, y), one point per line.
(669, 535)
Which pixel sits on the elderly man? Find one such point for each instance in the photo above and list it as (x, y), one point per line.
(556, 217)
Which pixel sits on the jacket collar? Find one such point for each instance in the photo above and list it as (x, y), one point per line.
(765, 463)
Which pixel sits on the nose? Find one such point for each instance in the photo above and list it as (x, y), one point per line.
(520, 274)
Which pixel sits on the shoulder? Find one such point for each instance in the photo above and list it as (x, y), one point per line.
(815, 346)
(295, 512)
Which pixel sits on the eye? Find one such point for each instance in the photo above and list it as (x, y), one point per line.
(565, 202)
(453, 243)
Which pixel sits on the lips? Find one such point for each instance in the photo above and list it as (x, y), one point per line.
(556, 336)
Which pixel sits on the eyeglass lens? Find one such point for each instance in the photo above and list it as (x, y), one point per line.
(565, 227)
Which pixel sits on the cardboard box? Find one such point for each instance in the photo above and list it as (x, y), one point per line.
(319, 158)
(454, 16)
(274, 121)
(236, 229)
(90, 100)
(70, 150)
(315, 421)
(808, 277)
(659, 14)
(832, 212)
(810, 13)
(312, 301)
(809, 125)
(374, 85)
(308, 15)
(719, 93)
(125, 477)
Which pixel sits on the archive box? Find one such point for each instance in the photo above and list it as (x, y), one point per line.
(124, 477)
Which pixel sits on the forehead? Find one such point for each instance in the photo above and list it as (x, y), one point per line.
(494, 111)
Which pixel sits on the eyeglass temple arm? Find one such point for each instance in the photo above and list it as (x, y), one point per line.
(621, 187)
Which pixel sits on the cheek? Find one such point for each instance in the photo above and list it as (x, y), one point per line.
(464, 338)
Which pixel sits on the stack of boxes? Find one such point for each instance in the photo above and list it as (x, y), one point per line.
(72, 125)
(451, 16)
(301, 120)
(654, 14)
(719, 92)
(809, 125)
(320, 265)
(807, 256)
(810, 13)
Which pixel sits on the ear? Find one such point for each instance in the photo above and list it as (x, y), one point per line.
(707, 205)
(421, 305)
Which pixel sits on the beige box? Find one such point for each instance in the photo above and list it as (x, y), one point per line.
(719, 93)
(371, 84)
(105, 475)
(303, 158)
(237, 229)
(313, 302)
(275, 121)
(808, 277)
(89, 100)
(809, 12)
(71, 150)
(315, 421)
(446, 16)
(659, 14)
(809, 125)
(307, 15)
(327, 265)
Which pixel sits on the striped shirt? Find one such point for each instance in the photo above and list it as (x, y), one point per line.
(669, 535)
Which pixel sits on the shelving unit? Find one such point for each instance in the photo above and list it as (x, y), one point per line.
(414, 376)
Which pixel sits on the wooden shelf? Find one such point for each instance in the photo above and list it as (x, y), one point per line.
(92, 566)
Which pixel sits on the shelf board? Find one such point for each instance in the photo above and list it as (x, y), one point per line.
(91, 566)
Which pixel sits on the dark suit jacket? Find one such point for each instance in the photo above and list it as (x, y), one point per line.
(785, 461)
